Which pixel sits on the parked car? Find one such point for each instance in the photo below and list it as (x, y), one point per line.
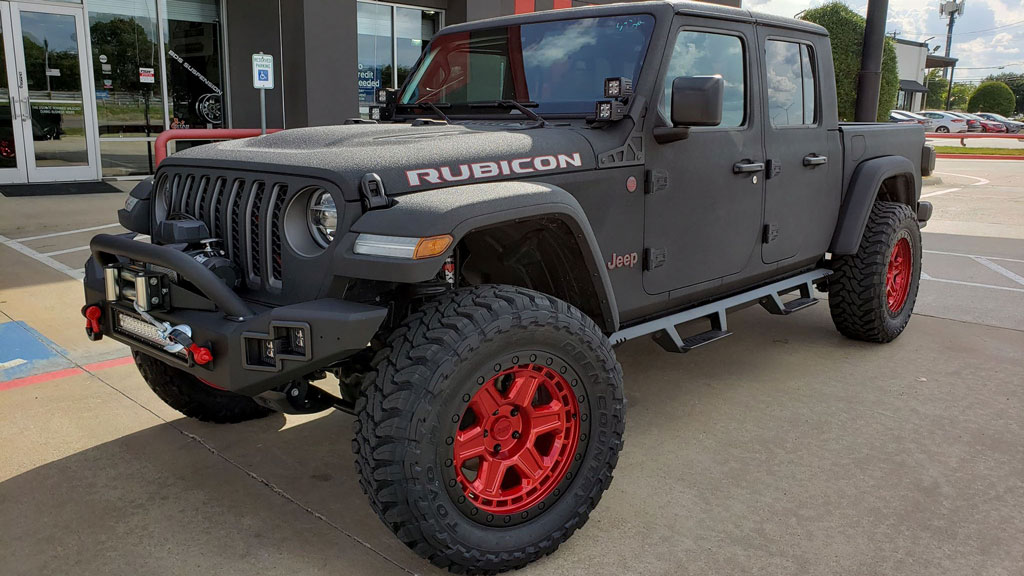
(1012, 126)
(906, 117)
(973, 124)
(465, 266)
(987, 126)
(946, 122)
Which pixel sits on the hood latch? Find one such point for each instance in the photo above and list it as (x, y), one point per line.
(372, 190)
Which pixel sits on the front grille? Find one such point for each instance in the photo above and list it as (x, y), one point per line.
(247, 213)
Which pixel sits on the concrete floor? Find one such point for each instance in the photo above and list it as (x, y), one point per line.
(785, 449)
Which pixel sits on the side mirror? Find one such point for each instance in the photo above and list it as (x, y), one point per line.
(697, 100)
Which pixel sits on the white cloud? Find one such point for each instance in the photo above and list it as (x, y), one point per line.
(918, 20)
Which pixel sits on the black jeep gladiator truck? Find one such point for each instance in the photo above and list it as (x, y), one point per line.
(542, 188)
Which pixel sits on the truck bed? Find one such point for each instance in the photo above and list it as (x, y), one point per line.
(864, 141)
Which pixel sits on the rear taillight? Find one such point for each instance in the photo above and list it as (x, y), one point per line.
(958, 121)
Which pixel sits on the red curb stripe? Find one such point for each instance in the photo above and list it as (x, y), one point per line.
(978, 157)
(65, 373)
(123, 361)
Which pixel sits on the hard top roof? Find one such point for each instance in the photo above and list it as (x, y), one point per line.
(701, 9)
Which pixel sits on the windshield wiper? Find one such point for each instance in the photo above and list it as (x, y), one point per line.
(429, 106)
(521, 106)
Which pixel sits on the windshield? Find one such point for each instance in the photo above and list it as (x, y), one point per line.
(560, 65)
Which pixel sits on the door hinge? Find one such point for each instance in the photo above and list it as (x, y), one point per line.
(654, 258)
(657, 181)
(772, 169)
(771, 233)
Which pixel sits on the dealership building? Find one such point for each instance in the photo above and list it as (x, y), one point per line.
(88, 85)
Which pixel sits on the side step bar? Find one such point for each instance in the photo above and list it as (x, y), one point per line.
(769, 297)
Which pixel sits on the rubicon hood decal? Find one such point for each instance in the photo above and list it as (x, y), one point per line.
(478, 170)
(407, 158)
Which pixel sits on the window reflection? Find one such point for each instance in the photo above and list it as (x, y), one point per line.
(707, 54)
(391, 39)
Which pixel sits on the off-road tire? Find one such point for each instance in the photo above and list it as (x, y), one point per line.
(188, 395)
(857, 290)
(423, 378)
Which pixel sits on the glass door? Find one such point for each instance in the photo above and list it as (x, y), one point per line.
(12, 149)
(53, 118)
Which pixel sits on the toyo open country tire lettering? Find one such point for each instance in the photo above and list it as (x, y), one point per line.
(190, 396)
(489, 427)
(872, 293)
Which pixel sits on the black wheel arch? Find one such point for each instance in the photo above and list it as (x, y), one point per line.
(889, 178)
(474, 212)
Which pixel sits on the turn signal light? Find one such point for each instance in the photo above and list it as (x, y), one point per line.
(433, 246)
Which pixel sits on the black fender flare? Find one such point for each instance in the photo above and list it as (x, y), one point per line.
(460, 210)
(860, 197)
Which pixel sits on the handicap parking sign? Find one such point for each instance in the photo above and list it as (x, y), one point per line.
(263, 71)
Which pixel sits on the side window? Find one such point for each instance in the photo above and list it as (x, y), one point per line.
(791, 84)
(709, 54)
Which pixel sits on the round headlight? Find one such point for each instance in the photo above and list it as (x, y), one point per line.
(323, 217)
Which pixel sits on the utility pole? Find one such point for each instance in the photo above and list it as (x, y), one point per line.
(952, 9)
(869, 80)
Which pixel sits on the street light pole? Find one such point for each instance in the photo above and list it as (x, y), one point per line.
(952, 8)
(870, 78)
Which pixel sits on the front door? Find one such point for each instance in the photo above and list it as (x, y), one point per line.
(47, 120)
(703, 215)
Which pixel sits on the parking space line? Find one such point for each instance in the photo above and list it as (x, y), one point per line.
(980, 181)
(974, 284)
(77, 274)
(940, 192)
(65, 251)
(997, 268)
(54, 234)
(973, 256)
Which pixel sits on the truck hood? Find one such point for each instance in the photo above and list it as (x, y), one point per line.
(407, 158)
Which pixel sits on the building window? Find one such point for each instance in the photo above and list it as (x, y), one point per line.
(391, 39)
(129, 77)
(129, 104)
(194, 63)
(791, 84)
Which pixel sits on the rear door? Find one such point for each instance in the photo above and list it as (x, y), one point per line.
(802, 155)
(703, 207)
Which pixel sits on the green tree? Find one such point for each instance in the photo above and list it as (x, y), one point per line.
(846, 31)
(937, 88)
(962, 92)
(992, 97)
(1016, 84)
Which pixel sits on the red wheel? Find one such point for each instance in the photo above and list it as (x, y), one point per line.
(516, 439)
(901, 266)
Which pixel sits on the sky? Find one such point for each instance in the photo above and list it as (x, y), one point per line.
(989, 34)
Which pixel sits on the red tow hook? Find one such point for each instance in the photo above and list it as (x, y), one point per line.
(92, 322)
(200, 355)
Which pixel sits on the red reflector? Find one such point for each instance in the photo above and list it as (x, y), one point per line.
(200, 355)
(92, 318)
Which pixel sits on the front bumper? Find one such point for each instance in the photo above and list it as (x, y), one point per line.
(236, 332)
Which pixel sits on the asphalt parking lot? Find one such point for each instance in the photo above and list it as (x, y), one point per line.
(785, 449)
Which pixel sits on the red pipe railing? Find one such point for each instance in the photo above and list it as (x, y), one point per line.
(202, 134)
(963, 136)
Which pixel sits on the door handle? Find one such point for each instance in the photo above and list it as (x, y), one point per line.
(815, 160)
(746, 167)
(14, 108)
